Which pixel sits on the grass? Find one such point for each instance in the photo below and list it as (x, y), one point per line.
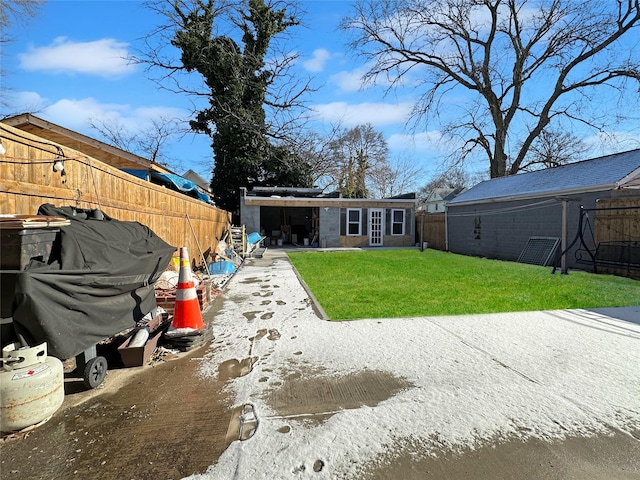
(407, 283)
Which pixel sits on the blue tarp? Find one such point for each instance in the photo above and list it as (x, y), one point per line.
(182, 185)
(222, 268)
(254, 237)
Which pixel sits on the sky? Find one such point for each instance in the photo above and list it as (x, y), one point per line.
(68, 65)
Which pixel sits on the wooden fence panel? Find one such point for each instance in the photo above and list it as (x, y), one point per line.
(431, 228)
(618, 220)
(622, 223)
(28, 179)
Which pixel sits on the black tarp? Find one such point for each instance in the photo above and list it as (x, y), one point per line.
(98, 282)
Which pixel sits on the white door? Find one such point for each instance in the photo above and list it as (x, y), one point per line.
(376, 226)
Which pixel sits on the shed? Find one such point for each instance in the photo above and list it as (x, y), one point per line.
(304, 216)
(500, 218)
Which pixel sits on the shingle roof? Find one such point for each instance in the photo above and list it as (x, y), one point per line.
(589, 175)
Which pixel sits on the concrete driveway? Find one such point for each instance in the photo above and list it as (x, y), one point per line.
(281, 393)
(519, 395)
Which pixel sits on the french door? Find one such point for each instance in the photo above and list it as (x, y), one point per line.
(376, 226)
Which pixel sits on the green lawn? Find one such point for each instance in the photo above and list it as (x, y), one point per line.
(406, 283)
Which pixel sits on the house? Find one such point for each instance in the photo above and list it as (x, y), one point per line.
(304, 216)
(437, 198)
(498, 218)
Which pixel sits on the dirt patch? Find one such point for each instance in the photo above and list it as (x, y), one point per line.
(313, 395)
(597, 458)
(142, 431)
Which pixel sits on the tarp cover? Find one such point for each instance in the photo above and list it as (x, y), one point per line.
(182, 185)
(98, 283)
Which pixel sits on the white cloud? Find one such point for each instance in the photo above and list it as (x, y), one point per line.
(22, 102)
(351, 115)
(432, 142)
(317, 63)
(607, 143)
(349, 81)
(75, 114)
(105, 58)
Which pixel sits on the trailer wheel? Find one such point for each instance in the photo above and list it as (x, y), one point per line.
(94, 372)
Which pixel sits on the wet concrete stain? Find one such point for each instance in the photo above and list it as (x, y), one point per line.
(602, 457)
(259, 334)
(244, 423)
(235, 368)
(251, 316)
(262, 294)
(312, 394)
(273, 335)
(251, 280)
(138, 432)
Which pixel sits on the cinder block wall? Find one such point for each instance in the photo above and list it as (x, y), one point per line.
(329, 227)
(500, 230)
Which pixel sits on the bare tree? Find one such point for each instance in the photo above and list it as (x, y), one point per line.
(553, 148)
(453, 178)
(393, 177)
(14, 12)
(355, 154)
(148, 141)
(524, 65)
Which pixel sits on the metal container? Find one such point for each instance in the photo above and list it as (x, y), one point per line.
(31, 386)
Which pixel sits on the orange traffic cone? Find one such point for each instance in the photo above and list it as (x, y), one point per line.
(186, 313)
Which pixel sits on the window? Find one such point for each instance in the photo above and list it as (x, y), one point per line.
(354, 223)
(397, 222)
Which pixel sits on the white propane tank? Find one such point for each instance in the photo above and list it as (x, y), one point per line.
(31, 386)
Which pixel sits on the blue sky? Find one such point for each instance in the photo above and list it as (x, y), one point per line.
(66, 65)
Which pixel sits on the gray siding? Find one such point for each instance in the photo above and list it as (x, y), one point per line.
(500, 230)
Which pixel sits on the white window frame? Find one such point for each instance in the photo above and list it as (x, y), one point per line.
(359, 222)
(394, 223)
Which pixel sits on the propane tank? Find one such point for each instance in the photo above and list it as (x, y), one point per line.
(31, 386)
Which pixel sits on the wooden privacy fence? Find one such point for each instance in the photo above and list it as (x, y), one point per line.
(617, 236)
(28, 178)
(431, 228)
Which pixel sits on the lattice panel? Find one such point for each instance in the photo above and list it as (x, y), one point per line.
(539, 251)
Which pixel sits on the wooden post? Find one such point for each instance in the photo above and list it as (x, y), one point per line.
(563, 240)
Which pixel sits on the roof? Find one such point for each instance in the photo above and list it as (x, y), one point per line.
(197, 179)
(599, 174)
(104, 152)
(442, 194)
(308, 197)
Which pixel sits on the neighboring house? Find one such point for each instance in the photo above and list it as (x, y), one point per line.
(437, 198)
(498, 217)
(303, 216)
